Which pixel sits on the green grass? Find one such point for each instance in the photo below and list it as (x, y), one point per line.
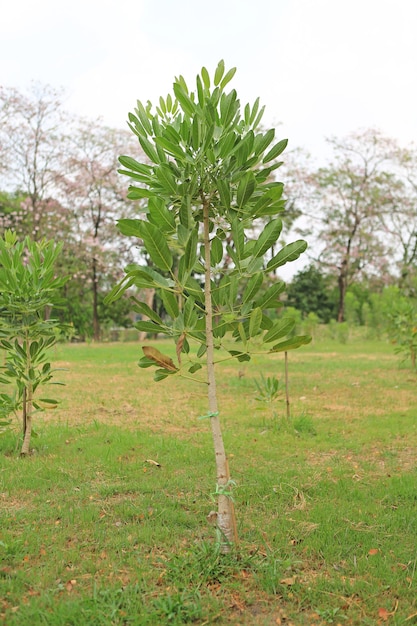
(92, 532)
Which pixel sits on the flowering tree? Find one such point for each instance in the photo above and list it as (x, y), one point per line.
(350, 196)
(96, 196)
(32, 137)
(206, 184)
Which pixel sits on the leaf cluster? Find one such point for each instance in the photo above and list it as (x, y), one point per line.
(28, 286)
(206, 153)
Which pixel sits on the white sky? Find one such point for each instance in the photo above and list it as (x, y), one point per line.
(321, 67)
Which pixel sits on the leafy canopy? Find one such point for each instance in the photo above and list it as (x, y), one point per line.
(208, 159)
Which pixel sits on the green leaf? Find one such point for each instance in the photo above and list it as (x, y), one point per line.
(149, 150)
(216, 251)
(275, 151)
(190, 253)
(267, 238)
(240, 356)
(166, 178)
(238, 234)
(229, 105)
(252, 288)
(137, 193)
(160, 215)
(245, 189)
(194, 368)
(290, 252)
(156, 245)
(291, 344)
(150, 327)
(184, 100)
(206, 77)
(223, 187)
(141, 111)
(161, 374)
(270, 298)
(218, 74)
(190, 314)
(131, 228)
(170, 303)
(171, 148)
(255, 320)
(262, 141)
(144, 309)
(134, 165)
(279, 329)
(228, 77)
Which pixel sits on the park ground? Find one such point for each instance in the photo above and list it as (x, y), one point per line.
(106, 522)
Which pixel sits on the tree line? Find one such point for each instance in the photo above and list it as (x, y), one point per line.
(59, 180)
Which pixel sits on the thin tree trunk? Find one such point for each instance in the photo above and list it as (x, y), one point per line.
(342, 280)
(96, 323)
(27, 412)
(287, 389)
(226, 521)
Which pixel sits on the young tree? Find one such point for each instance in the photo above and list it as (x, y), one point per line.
(208, 183)
(28, 287)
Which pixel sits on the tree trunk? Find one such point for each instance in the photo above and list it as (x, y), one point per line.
(96, 323)
(226, 521)
(149, 297)
(342, 283)
(287, 387)
(27, 413)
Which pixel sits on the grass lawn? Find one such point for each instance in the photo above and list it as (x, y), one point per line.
(93, 531)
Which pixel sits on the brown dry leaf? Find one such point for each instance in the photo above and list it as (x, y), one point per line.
(288, 581)
(383, 614)
(179, 346)
(160, 359)
(373, 551)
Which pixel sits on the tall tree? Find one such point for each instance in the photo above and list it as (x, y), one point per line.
(96, 196)
(400, 221)
(32, 136)
(208, 182)
(350, 195)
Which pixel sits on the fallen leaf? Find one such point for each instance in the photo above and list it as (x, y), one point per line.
(288, 581)
(373, 551)
(383, 614)
(152, 462)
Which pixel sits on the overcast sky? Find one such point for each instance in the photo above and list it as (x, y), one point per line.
(321, 67)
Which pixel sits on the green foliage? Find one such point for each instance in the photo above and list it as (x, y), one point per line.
(210, 170)
(402, 329)
(309, 292)
(269, 388)
(28, 287)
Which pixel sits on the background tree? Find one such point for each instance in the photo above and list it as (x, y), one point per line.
(32, 137)
(310, 292)
(399, 222)
(95, 194)
(350, 194)
(207, 184)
